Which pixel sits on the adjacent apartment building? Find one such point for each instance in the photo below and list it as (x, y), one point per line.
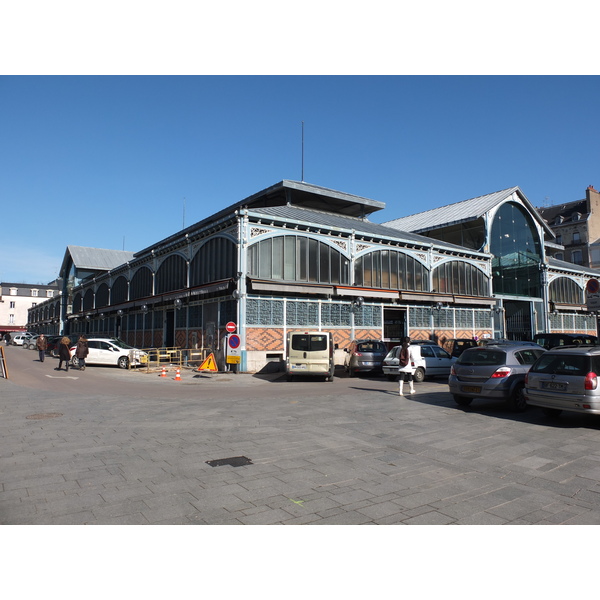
(576, 226)
(17, 298)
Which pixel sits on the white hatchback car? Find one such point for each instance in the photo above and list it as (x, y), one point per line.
(110, 351)
(19, 339)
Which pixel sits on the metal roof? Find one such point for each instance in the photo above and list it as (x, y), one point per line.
(287, 193)
(554, 263)
(334, 222)
(462, 212)
(96, 259)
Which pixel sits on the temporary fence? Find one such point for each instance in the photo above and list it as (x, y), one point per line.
(157, 358)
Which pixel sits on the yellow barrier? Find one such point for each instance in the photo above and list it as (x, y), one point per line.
(156, 358)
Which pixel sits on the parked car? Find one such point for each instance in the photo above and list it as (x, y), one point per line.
(110, 351)
(392, 360)
(493, 371)
(455, 347)
(30, 342)
(19, 338)
(565, 378)
(364, 356)
(553, 340)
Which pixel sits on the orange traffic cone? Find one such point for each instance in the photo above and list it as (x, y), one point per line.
(177, 375)
(164, 372)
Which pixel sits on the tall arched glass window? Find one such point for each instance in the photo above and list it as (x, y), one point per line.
(102, 296)
(390, 270)
(171, 275)
(516, 248)
(297, 258)
(216, 260)
(461, 278)
(141, 284)
(118, 292)
(565, 291)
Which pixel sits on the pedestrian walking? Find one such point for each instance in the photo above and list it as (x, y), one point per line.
(41, 344)
(408, 359)
(81, 351)
(7, 338)
(64, 353)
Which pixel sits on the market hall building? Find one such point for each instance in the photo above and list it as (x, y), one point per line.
(296, 256)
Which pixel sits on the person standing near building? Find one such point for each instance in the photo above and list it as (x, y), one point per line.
(41, 345)
(408, 359)
(64, 353)
(81, 352)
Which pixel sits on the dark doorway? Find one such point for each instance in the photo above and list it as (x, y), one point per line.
(517, 316)
(394, 325)
(169, 328)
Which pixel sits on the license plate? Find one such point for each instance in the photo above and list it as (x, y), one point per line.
(300, 366)
(471, 389)
(554, 385)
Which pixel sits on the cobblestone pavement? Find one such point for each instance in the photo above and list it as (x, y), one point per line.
(348, 452)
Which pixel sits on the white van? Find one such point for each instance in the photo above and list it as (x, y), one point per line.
(310, 353)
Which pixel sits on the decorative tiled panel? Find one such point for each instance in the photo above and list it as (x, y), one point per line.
(261, 338)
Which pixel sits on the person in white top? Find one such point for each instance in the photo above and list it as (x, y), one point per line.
(409, 357)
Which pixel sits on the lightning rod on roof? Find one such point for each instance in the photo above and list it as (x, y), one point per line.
(302, 151)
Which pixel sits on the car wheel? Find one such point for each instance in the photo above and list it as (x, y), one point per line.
(462, 400)
(289, 377)
(419, 375)
(552, 412)
(517, 400)
(123, 362)
(75, 362)
(392, 377)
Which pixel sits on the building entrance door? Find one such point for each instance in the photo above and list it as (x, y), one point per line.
(517, 315)
(394, 325)
(169, 328)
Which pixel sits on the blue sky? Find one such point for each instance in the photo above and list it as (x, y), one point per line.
(124, 161)
(116, 132)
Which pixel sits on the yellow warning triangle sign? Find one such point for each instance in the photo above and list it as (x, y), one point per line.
(209, 364)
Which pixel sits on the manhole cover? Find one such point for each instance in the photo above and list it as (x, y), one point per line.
(234, 461)
(45, 416)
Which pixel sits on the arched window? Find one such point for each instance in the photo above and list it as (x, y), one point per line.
(297, 258)
(390, 270)
(565, 291)
(88, 300)
(171, 275)
(215, 260)
(102, 296)
(77, 303)
(118, 292)
(515, 244)
(461, 278)
(141, 284)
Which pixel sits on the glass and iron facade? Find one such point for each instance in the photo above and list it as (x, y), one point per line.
(297, 257)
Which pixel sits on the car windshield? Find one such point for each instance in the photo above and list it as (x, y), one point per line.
(481, 357)
(120, 344)
(370, 347)
(563, 364)
(309, 343)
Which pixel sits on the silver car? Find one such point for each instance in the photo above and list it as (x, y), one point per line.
(565, 378)
(435, 362)
(494, 371)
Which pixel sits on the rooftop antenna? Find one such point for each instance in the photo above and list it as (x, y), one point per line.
(302, 151)
(123, 242)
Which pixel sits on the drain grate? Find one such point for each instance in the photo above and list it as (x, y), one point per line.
(45, 416)
(234, 461)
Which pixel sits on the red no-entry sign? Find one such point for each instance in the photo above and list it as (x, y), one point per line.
(231, 327)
